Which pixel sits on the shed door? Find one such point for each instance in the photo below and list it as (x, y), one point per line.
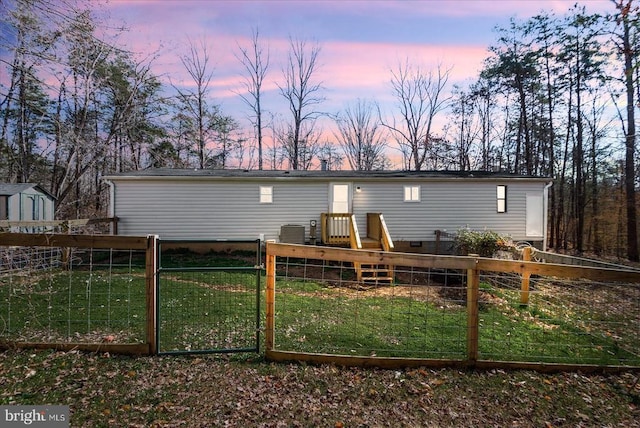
(340, 198)
(535, 224)
(4, 207)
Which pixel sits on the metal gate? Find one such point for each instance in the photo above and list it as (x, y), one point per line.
(208, 296)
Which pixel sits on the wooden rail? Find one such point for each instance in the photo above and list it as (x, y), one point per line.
(342, 229)
(474, 266)
(62, 225)
(378, 231)
(354, 235)
(147, 244)
(335, 228)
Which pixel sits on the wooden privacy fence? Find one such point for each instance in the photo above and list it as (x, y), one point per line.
(86, 292)
(449, 311)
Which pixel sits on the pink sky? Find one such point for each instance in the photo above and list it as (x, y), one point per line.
(361, 41)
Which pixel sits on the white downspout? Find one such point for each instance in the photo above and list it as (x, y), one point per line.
(112, 202)
(546, 214)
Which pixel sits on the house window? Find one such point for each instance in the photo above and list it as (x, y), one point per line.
(4, 208)
(266, 194)
(501, 198)
(412, 193)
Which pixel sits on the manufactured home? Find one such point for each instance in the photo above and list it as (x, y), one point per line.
(25, 202)
(323, 207)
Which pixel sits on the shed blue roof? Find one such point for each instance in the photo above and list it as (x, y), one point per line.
(10, 189)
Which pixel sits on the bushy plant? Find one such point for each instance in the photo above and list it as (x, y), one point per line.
(484, 243)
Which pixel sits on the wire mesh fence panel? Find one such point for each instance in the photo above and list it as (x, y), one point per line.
(79, 295)
(321, 308)
(474, 311)
(563, 321)
(208, 301)
(207, 311)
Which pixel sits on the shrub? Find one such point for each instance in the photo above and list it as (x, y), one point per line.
(484, 243)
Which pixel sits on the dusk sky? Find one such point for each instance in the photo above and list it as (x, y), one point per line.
(361, 41)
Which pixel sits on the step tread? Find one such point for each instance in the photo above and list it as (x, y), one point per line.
(378, 278)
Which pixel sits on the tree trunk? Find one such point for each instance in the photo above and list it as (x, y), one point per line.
(630, 143)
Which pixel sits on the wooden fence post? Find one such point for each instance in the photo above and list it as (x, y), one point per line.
(270, 296)
(473, 285)
(524, 288)
(151, 269)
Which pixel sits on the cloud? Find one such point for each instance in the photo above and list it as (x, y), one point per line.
(361, 41)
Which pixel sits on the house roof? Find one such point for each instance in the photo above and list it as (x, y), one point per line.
(10, 189)
(169, 173)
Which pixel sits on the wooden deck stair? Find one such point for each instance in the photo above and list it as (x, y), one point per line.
(342, 229)
(377, 239)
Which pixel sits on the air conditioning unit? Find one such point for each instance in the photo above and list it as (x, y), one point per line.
(292, 234)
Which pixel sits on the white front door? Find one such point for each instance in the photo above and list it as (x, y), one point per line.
(339, 203)
(340, 198)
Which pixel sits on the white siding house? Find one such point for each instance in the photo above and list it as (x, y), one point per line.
(25, 202)
(244, 204)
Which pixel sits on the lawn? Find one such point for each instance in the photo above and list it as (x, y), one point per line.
(215, 308)
(80, 305)
(431, 322)
(211, 304)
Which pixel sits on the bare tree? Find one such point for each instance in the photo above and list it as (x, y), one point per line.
(256, 63)
(420, 99)
(194, 102)
(361, 137)
(330, 156)
(465, 128)
(305, 147)
(28, 41)
(302, 95)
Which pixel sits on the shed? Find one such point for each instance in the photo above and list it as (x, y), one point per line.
(25, 202)
(252, 204)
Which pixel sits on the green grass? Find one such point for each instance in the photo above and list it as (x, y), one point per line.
(216, 310)
(74, 305)
(187, 259)
(520, 337)
(552, 329)
(379, 326)
(313, 318)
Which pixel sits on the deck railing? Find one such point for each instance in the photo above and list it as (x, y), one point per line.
(341, 229)
(377, 230)
(354, 239)
(336, 228)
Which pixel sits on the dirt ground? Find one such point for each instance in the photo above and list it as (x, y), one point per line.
(214, 391)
